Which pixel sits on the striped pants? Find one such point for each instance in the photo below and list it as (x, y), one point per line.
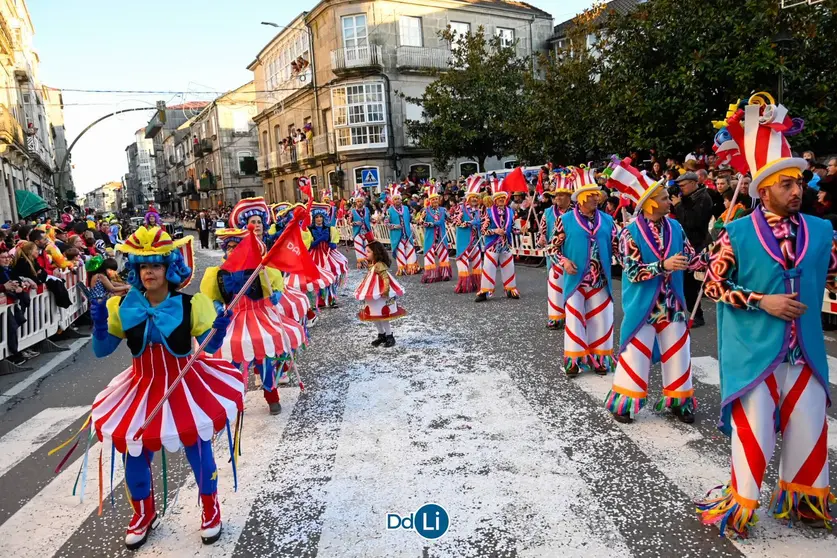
(468, 266)
(634, 364)
(588, 335)
(405, 257)
(436, 264)
(554, 292)
(792, 399)
(360, 252)
(498, 256)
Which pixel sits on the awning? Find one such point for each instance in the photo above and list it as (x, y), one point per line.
(29, 204)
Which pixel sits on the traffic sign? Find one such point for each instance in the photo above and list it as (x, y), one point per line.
(370, 178)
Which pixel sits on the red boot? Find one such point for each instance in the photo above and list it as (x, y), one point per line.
(144, 520)
(210, 518)
(272, 398)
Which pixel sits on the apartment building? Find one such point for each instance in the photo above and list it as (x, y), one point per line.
(331, 86)
(212, 156)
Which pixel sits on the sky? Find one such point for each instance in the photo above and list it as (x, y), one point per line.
(186, 48)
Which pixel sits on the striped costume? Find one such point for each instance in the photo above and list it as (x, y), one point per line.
(498, 251)
(468, 221)
(589, 243)
(554, 272)
(774, 373)
(401, 240)
(654, 323)
(361, 224)
(436, 257)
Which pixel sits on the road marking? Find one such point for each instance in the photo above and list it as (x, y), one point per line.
(26, 438)
(42, 526)
(670, 446)
(261, 436)
(47, 368)
(402, 446)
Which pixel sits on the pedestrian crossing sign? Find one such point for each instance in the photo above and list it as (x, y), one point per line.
(370, 178)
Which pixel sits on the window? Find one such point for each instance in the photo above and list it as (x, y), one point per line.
(277, 136)
(355, 37)
(460, 29)
(421, 171)
(411, 112)
(359, 112)
(247, 163)
(265, 148)
(285, 62)
(409, 30)
(506, 36)
(468, 168)
(510, 164)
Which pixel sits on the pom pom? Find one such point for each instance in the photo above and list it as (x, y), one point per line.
(251, 227)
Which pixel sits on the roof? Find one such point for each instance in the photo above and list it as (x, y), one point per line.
(622, 7)
(515, 4)
(191, 105)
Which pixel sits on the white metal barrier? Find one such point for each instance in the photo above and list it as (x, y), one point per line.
(43, 317)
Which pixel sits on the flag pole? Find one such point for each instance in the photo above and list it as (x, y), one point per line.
(195, 355)
(706, 274)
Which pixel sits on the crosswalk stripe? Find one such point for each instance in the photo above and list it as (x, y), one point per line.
(671, 447)
(49, 519)
(706, 370)
(26, 438)
(261, 431)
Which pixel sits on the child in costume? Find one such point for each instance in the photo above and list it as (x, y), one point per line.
(584, 243)
(498, 229)
(561, 204)
(160, 325)
(380, 292)
(98, 279)
(436, 257)
(324, 239)
(768, 273)
(468, 220)
(401, 240)
(655, 253)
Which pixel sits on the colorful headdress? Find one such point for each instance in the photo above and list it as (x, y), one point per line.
(358, 194)
(473, 185)
(276, 209)
(152, 211)
(154, 245)
(323, 210)
(639, 187)
(226, 236)
(249, 207)
(562, 183)
(286, 215)
(583, 180)
(326, 196)
(431, 191)
(497, 190)
(759, 130)
(394, 190)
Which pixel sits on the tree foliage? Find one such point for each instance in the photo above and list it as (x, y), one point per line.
(466, 109)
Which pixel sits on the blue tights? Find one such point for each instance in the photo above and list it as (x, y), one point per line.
(138, 470)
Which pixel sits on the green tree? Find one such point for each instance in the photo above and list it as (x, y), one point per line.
(670, 67)
(559, 118)
(466, 109)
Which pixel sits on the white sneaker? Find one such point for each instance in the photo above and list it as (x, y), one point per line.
(283, 379)
(29, 354)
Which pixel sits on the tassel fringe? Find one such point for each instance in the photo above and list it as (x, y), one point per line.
(794, 505)
(664, 403)
(726, 511)
(621, 404)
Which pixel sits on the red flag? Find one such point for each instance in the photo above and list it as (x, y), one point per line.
(515, 182)
(246, 256)
(539, 188)
(305, 187)
(290, 255)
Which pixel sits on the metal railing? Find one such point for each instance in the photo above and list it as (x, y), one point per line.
(422, 58)
(345, 59)
(10, 128)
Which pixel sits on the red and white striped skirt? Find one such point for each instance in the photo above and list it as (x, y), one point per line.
(294, 304)
(209, 395)
(326, 257)
(256, 331)
(298, 282)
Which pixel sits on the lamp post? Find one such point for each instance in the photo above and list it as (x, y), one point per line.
(784, 41)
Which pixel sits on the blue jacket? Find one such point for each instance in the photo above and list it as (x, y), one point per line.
(577, 247)
(399, 218)
(437, 228)
(752, 343)
(361, 224)
(467, 236)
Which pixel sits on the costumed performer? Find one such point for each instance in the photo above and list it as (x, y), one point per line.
(768, 273)
(584, 242)
(436, 257)
(401, 240)
(654, 253)
(561, 204)
(324, 240)
(379, 291)
(468, 221)
(361, 224)
(160, 324)
(498, 229)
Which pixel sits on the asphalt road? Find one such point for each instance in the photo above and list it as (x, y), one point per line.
(469, 411)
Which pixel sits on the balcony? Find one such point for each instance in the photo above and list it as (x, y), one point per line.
(348, 60)
(273, 160)
(323, 145)
(421, 59)
(261, 161)
(10, 130)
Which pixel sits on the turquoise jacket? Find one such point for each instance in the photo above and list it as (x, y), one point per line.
(577, 247)
(361, 224)
(467, 236)
(752, 343)
(437, 230)
(638, 299)
(399, 218)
